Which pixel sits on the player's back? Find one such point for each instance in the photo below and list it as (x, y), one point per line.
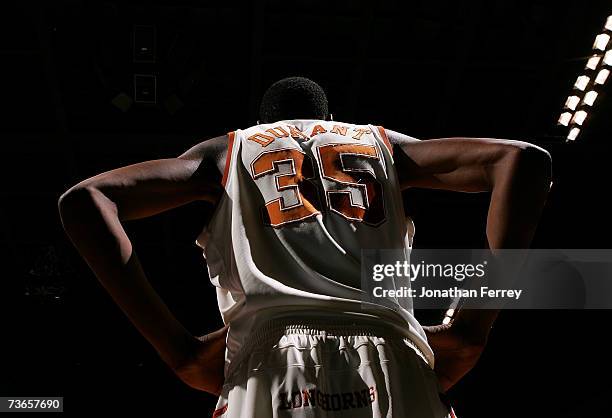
(302, 199)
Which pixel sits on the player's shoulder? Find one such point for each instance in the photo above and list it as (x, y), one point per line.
(212, 150)
(398, 138)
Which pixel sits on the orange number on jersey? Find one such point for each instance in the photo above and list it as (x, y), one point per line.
(278, 213)
(343, 163)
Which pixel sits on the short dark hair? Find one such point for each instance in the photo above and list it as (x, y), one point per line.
(293, 98)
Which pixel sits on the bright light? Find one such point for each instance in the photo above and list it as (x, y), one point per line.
(585, 90)
(579, 117)
(601, 41)
(448, 317)
(590, 97)
(608, 58)
(573, 134)
(593, 62)
(582, 82)
(565, 118)
(572, 102)
(602, 76)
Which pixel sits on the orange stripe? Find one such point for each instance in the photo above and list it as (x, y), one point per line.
(228, 158)
(220, 411)
(385, 138)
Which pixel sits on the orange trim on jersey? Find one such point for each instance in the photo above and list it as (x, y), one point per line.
(220, 411)
(228, 158)
(385, 138)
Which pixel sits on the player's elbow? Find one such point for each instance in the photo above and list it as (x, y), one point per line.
(531, 163)
(74, 201)
(538, 162)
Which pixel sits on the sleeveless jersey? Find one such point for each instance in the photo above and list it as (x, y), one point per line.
(302, 199)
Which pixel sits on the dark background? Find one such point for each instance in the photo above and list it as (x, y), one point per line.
(426, 68)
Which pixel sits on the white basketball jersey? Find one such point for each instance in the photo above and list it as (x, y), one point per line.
(302, 199)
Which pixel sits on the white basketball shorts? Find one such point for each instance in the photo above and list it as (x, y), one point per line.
(299, 370)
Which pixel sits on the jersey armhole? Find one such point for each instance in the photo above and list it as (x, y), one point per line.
(385, 138)
(228, 157)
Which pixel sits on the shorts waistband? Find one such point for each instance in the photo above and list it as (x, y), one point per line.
(272, 330)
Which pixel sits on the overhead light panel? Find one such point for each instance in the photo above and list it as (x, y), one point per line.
(601, 41)
(582, 82)
(602, 76)
(573, 134)
(593, 62)
(590, 97)
(572, 102)
(579, 117)
(586, 88)
(608, 58)
(565, 118)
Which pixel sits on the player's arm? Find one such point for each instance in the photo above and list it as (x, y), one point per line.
(92, 213)
(518, 175)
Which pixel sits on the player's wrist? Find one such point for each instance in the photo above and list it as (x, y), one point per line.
(474, 326)
(181, 353)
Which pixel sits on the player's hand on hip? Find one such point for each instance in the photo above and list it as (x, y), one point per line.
(203, 367)
(455, 353)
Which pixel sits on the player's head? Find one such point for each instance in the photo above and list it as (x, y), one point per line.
(293, 98)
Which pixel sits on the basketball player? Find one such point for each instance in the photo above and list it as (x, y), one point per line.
(297, 198)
